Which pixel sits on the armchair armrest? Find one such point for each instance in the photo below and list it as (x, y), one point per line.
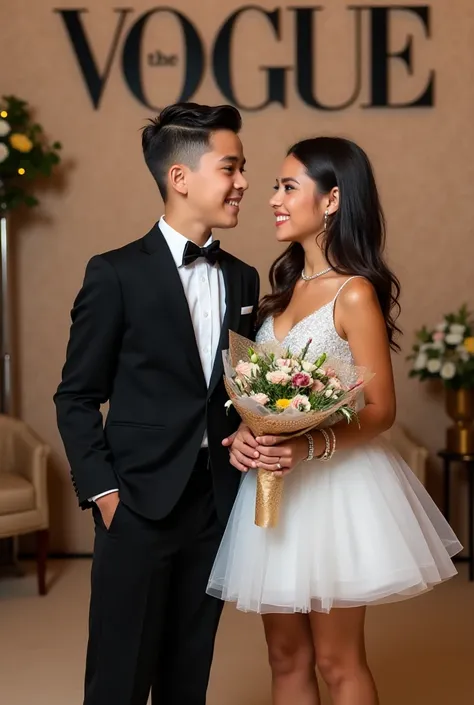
(26, 455)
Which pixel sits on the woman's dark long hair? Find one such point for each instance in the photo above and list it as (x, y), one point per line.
(355, 237)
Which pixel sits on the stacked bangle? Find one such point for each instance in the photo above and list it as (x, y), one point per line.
(333, 448)
(330, 445)
(310, 456)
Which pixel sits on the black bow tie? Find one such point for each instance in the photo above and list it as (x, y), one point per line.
(192, 251)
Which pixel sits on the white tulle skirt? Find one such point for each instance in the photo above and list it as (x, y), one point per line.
(357, 530)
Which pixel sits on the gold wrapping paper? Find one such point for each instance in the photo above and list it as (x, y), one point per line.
(270, 487)
(268, 499)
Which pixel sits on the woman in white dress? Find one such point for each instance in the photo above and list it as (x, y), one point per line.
(356, 527)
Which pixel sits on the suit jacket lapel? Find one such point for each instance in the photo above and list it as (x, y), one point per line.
(233, 288)
(175, 299)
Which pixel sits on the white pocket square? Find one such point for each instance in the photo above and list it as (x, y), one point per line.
(246, 309)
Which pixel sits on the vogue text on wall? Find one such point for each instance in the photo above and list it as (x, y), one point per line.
(127, 49)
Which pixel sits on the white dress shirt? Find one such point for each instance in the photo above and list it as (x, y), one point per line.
(204, 288)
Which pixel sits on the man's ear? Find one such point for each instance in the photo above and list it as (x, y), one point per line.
(177, 178)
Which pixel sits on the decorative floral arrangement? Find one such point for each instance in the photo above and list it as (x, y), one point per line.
(277, 393)
(290, 383)
(24, 153)
(446, 352)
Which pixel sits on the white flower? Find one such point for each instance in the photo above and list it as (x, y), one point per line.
(240, 383)
(421, 360)
(441, 326)
(448, 370)
(328, 393)
(454, 338)
(4, 127)
(308, 366)
(438, 345)
(463, 353)
(4, 152)
(457, 328)
(433, 365)
(228, 404)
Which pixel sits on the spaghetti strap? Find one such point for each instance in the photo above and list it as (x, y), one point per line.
(356, 276)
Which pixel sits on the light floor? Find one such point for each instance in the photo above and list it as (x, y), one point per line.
(421, 651)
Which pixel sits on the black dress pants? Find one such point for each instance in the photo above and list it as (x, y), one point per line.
(151, 623)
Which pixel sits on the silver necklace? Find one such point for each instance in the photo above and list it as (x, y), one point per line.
(314, 276)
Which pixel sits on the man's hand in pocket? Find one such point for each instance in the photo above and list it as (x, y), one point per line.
(108, 506)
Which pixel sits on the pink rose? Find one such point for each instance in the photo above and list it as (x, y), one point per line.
(285, 363)
(439, 336)
(318, 386)
(260, 398)
(301, 379)
(278, 377)
(247, 369)
(330, 372)
(301, 402)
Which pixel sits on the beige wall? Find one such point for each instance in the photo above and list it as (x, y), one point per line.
(105, 197)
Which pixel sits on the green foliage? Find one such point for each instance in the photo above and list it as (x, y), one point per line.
(24, 154)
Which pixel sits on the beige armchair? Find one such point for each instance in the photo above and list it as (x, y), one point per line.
(413, 454)
(23, 490)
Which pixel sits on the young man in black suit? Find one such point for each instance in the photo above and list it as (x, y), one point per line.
(148, 329)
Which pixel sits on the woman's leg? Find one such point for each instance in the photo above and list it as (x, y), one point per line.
(291, 656)
(340, 656)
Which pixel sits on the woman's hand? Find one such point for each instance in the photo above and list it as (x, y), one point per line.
(281, 459)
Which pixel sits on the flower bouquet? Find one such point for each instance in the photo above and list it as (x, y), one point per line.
(446, 351)
(275, 392)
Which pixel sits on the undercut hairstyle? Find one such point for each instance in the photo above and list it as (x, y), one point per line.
(181, 134)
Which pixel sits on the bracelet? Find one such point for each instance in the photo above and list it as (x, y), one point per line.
(311, 455)
(327, 449)
(327, 453)
(330, 445)
(333, 449)
(310, 447)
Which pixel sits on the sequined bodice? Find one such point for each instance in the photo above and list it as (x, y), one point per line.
(319, 326)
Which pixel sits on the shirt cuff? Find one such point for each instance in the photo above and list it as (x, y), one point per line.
(102, 494)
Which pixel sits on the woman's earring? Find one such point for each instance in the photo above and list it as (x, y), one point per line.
(326, 216)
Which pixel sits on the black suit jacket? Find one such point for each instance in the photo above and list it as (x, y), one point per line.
(132, 344)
